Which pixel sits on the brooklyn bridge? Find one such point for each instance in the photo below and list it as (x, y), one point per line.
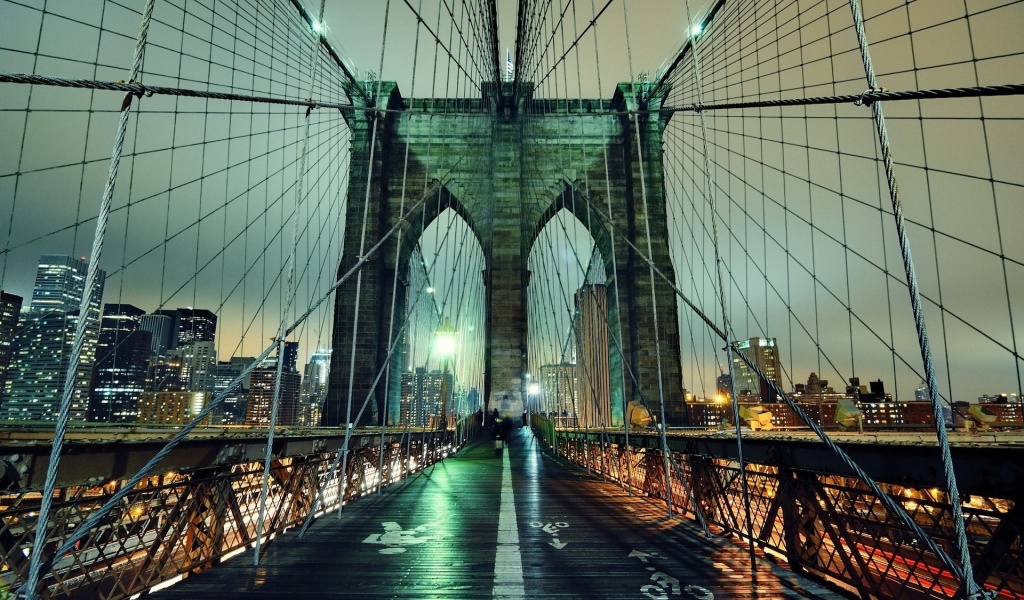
(594, 298)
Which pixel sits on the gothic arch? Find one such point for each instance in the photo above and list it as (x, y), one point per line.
(579, 204)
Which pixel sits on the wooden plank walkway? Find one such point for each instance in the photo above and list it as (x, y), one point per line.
(519, 525)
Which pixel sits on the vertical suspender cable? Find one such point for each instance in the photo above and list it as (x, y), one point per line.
(606, 421)
(654, 308)
(391, 324)
(615, 277)
(970, 586)
(275, 402)
(375, 117)
(721, 288)
(394, 281)
(42, 522)
(654, 298)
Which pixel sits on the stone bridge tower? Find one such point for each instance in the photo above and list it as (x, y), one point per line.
(507, 164)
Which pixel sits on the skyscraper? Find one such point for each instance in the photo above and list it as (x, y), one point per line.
(10, 309)
(261, 397)
(314, 387)
(558, 386)
(592, 369)
(164, 374)
(189, 325)
(161, 327)
(198, 359)
(473, 400)
(232, 408)
(43, 345)
(764, 354)
(291, 358)
(196, 325)
(172, 324)
(122, 358)
(172, 408)
(421, 395)
(60, 283)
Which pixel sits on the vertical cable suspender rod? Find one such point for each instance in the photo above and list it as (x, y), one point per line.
(710, 182)
(275, 403)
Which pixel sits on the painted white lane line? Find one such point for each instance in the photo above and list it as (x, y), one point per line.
(508, 561)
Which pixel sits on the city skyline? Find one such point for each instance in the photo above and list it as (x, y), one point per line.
(137, 378)
(56, 290)
(196, 254)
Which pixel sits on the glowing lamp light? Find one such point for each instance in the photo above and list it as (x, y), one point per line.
(696, 30)
(318, 26)
(533, 389)
(444, 343)
(430, 290)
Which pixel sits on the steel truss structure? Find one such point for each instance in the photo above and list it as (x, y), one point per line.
(185, 519)
(823, 522)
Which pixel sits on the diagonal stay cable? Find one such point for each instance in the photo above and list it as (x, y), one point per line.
(97, 516)
(890, 505)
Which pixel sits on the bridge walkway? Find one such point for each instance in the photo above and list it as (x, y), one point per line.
(521, 524)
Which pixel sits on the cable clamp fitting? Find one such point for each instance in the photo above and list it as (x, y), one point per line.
(864, 100)
(138, 90)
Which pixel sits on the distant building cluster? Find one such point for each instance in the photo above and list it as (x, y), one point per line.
(421, 397)
(819, 400)
(137, 367)
(580, 391)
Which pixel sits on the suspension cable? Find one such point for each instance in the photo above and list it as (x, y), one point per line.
(289, 283)
(28, 590)
(890, 505)
(710, 182)
(967, 575)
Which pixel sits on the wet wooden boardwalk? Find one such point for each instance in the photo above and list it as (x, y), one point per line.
(519, 525)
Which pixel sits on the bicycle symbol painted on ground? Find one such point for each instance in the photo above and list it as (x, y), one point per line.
(552, 529)
(396, 538)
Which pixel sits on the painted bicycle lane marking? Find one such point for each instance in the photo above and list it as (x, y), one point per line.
(665, 586)
(553, 530)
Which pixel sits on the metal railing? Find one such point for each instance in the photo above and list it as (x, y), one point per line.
(186, 520)
(828, 525)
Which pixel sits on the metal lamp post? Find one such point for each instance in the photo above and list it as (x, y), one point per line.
(532, 391)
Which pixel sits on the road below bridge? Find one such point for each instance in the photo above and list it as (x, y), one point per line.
(519, 524)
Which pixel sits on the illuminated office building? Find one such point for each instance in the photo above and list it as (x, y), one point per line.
(421, 396)
(10, 310)
(261, 397)
(122, 359)
(558, 386)
(314, 387)
(42, 347)
(764, 354)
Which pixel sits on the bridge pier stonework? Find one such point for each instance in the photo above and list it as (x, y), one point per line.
(506, 166)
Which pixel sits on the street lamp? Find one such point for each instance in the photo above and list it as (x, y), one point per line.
(532, 391)
(444, 344)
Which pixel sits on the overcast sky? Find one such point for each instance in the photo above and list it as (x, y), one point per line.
(799, 192)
